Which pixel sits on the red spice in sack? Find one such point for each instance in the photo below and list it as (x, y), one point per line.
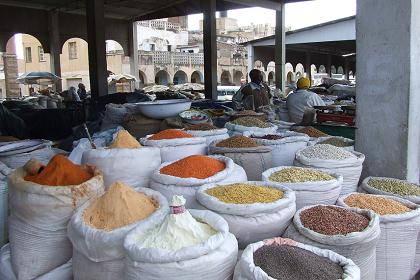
(197, 166)
(170, 134)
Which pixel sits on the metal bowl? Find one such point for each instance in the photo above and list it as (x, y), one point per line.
(194, 117)
(162, 109)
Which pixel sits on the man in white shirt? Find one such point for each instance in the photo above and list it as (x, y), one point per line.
(302, 99)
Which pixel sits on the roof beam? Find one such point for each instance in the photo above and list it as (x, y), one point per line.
(272, 5)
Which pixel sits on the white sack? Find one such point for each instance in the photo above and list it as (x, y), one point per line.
(187, 187)
(253, 160)
(99, 254)
(252, 222)
(4, 211)
(210, 135)
(283, 151)
(18, 160)
(246, 270)
(38, 222)
(134, 167)
(214, 259)
(360, 247)
(174, 149)
(350, 168)
(396, 249)
(310, 193)
(236, 129)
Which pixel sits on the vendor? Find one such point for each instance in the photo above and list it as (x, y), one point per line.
(302, 99)
(254, 95)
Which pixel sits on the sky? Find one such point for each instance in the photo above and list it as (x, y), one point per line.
(298, 15)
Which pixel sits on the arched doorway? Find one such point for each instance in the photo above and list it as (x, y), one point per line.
(114, 56)
(333, 69)
(142, 79)
(75, 63)
(162, 78)
(237, 77)
(258, 65)
(290, 77)
(225, 78)
(197, 77)
(271, 77)
(180, 77)
(322, 69)
(340, 70)
(264, 76)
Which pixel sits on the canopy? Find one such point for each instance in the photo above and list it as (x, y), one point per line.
(120, 78)
(40, 78)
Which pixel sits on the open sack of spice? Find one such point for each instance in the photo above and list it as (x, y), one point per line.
(188, 245)
(338, 141)
(42, 200)
(175, 144)
(98, 228)
(326, 157)
(185, 176)
(208, 131)
(244, 151)
(286, 259)
(352, 233)
(253, 210)
(311, 186)
(124, 160)
(399, 220)
(283, 145)
(251, 124)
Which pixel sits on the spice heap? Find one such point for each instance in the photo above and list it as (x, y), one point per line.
(336, 142)
(330, 220)
(251, 122)
(238, 141)
(299, 175)
(121, 205)
(60, 171)
(178, 230)
(379, 205)
(246, 112)
(245, 193)
(269, 137)
(170, 134)
(328, 152)
(196, 166)
(293, 263)
(124, 140)
(204, 126)
(312, 132)
(395, 186)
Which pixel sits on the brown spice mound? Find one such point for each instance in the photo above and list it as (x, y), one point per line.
(330, 220)
(196, 166)
(378, 204)
(204, 126)
(124, 140)
(312, 132)
(238, 142)
(170, 134)
(269, 137)
(121, 205)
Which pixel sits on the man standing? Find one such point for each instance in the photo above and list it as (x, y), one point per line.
(254, 95)
(302, 99)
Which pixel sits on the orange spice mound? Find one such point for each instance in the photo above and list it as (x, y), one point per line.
(60, 171)
(200, 167)
(170, 134)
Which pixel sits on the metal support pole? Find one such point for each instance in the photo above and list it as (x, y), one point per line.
(308, 66)
(134, 51)
(55, 48)
(280, 49)
(210, 48)
(96, 46)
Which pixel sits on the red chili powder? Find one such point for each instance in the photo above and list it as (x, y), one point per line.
(200, 167)
(170, 134)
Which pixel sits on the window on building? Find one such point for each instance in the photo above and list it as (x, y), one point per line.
(152, 47)
(28, 55)
(169, 48)
(72, 50)
(41, 55)
(191, 51)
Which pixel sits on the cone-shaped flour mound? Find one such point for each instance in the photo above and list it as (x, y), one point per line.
(121, 205)
(124, 140)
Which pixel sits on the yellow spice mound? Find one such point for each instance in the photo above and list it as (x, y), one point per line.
(118, 207)
(124, 140)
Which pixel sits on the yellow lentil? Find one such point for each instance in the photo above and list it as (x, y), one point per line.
(299, 175)
(379, 205)
(245, 193)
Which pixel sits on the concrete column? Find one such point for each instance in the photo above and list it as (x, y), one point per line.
(388, 87)
(134, 51)
(251, 57)
(210, 48)
(329, 65)
(280, 49)
(11, 70)
(55, 48)
(96, 47)
(308, 66)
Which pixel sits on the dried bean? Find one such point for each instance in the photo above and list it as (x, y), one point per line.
(331, 220)
(379, 205)
(299, 175)
(328, 152)
(251, 122)
(395, 186)
(293, 263)
(245, 193)
(238, 142)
